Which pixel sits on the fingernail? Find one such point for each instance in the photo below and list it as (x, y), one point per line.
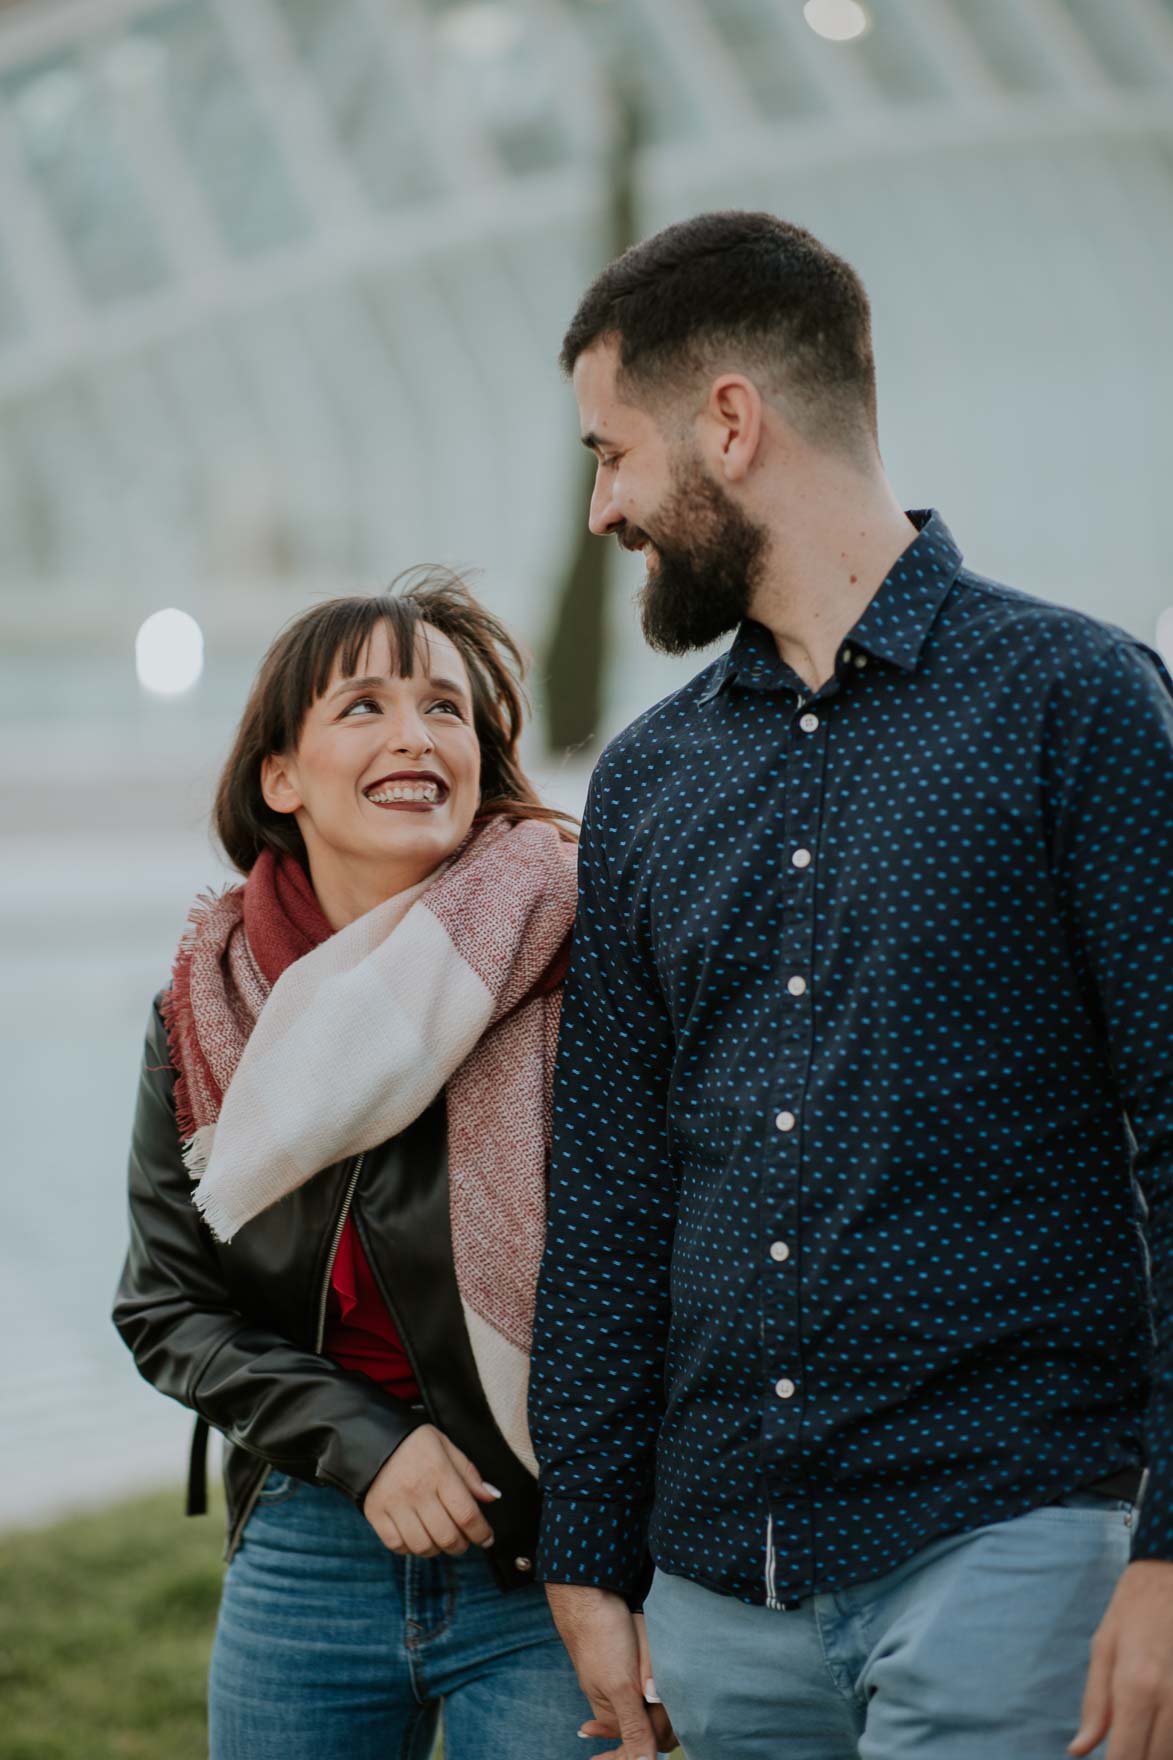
(491, 1489)
(650, 1693)
(487, 1543)
(584, 1735)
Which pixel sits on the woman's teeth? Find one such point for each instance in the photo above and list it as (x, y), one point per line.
(405, 791)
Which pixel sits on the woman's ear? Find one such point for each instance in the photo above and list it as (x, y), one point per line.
(278, 785)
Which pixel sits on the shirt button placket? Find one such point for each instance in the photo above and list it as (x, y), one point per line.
(804, 791)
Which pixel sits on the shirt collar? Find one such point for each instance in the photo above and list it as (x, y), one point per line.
(894, 627)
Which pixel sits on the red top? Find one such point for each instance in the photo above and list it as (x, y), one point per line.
(360, 1333)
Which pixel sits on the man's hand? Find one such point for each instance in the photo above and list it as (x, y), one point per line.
(422, 1500)
(608, 1648)
(1130, 1682)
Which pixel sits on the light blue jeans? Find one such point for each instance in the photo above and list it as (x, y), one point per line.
(329, 1647)
(976, 1649)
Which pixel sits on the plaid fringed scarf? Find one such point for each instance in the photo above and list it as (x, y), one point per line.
(296, 1048)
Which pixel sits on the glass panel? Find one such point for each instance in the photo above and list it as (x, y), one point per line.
(60, 116)
(219, 128)
(1011, 49)
(636, 57)
(777, 84)
(894, 59)
(11, 318)
(1116, 45)
(376, 125)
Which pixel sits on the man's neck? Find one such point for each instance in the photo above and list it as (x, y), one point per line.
(827, 562)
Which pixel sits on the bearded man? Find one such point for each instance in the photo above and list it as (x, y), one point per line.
(857, 1304)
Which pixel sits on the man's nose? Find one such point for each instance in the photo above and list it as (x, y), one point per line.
(603, 517)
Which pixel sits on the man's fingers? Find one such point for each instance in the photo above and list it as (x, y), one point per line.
(1097, 1702)
(1132, 1719)
(639, 1741)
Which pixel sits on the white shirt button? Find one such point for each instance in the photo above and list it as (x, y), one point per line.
(786, 1121)
(796, 986)
(780, 1251)
(861, 660)
(808, 723)
(847, 653)
(801, 858)
(523, 1564)
(784, 1389)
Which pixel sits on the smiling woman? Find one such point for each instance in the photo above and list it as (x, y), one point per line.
(352, 1060)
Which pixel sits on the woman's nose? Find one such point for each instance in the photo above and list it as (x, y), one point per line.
(409, 734)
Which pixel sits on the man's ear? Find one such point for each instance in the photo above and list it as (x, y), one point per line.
(735, 416)
(278, 785)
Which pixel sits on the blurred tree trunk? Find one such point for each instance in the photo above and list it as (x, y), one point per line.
(576, 655)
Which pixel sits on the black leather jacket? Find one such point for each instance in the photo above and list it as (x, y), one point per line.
(234, 1332)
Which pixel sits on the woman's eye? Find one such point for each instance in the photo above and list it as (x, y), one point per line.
(360, 703)
(450, 706)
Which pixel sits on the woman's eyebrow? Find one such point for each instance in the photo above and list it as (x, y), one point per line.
(375, 682)
(357, 684)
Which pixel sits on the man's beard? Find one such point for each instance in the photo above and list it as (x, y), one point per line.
(701, 585)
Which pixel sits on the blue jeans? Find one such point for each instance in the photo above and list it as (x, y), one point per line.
(330, 1646)
(976, 1649)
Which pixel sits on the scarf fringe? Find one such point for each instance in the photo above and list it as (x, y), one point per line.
(179, 1018)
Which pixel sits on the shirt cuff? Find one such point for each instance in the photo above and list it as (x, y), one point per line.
(596, 1545)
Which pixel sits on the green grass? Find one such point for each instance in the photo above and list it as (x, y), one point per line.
(105, 1630)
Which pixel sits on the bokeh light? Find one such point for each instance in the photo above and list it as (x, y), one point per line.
(169, 653)
(838, 20)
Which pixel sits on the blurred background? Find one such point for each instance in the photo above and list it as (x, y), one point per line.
(281, 289)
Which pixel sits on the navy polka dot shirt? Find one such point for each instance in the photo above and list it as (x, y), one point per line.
(864, 1106)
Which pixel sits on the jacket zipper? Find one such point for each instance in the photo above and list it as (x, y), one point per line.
(250, 1502)
(320, 1334)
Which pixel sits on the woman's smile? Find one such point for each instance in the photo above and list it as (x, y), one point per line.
(410, 791)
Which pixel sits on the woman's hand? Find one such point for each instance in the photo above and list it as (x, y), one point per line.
(423, 1499)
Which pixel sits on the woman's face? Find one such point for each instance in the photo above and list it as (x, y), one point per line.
(385, 781)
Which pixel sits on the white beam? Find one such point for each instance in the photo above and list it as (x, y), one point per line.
(175, 203)
(1154, 26)
(293, 110)
(37, 260)
(1064, 47)
(46, 29)
(526, 205)
(941, 34)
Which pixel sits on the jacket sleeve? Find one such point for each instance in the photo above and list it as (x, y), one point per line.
(295, 1409)
(1114, 842)
(596, 1388)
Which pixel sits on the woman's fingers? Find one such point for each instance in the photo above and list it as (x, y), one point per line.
(463, 1510)
(445, 1535)
(416, 1537)
(469, 1474)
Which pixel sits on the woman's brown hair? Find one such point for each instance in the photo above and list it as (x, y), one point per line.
(298, 668)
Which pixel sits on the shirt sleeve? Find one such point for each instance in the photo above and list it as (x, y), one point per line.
(596, 1388)
(1114, 864)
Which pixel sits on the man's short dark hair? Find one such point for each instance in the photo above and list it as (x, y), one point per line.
(745, 292)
